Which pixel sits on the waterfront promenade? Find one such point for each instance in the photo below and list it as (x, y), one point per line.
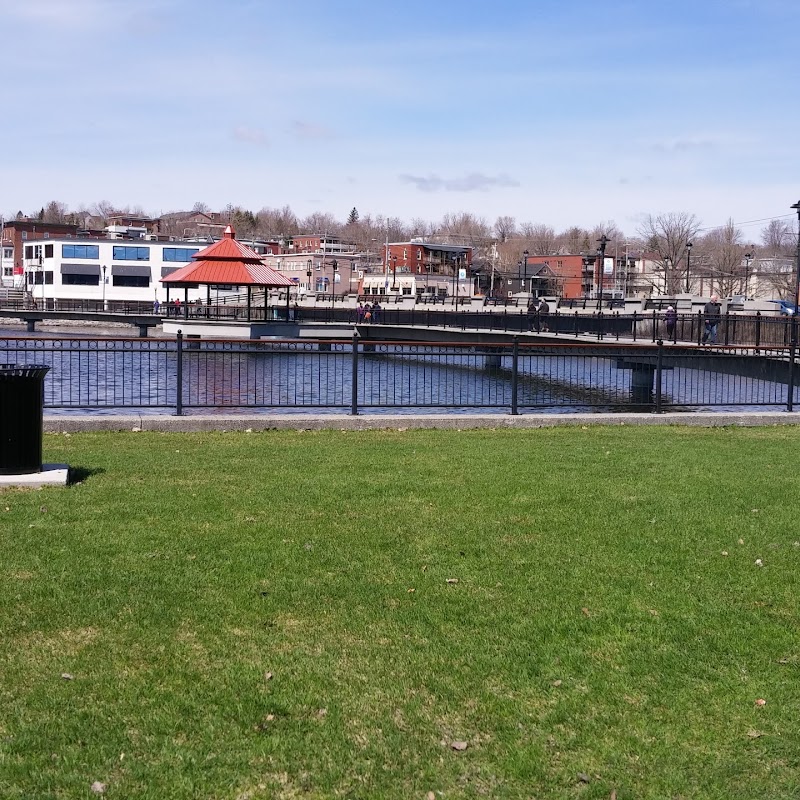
(55, 423)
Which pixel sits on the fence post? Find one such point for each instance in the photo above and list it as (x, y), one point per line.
(576, 324)
(758, 330)
(354, 378)
(179, 374)
(514, 374)
(659, 369)
(699, 328)
(634, 325)
(790, 391)
(727, 326)
(655, 326)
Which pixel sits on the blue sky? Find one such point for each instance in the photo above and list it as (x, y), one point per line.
(570, 112)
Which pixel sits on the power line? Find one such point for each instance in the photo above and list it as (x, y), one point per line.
(747, 222)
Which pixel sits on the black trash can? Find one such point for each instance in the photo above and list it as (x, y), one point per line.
(21, 400)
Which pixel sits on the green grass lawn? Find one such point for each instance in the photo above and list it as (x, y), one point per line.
(277, 615)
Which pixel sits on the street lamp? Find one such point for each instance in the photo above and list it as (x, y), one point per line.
(334, 266)
(796, 207)
(104, 287)
(603, 241)
(394, 273)
(688, 263)
(748, 260)
(525, 268)
(309, 264)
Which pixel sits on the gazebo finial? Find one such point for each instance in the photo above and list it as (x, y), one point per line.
(230, 233)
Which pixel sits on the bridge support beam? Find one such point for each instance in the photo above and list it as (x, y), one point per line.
(642, 383)
(31, 323)
(143, 331)
(493, 358)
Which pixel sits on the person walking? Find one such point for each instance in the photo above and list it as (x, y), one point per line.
(360, 312)
(711, 316)
(670, 318)
(534, 323)
(544, 315)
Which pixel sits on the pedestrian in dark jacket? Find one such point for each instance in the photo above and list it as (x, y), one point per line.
(670, 318)
(544, 315)
(711, 316)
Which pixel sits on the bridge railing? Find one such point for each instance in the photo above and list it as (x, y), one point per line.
(746, 330)
(354, 375)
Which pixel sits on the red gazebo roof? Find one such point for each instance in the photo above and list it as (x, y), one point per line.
(228, 262)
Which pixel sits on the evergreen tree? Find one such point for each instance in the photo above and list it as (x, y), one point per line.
(353, 218)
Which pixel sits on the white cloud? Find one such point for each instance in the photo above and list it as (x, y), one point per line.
(473, 182)
(254, 136)
(303, 129)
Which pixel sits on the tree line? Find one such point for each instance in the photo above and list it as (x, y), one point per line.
(680, 248)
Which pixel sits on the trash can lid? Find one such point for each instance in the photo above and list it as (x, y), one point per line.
(23, 370)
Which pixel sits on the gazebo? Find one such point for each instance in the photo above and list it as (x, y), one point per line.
(227, 263)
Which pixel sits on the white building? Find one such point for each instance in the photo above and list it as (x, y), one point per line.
(105, 271)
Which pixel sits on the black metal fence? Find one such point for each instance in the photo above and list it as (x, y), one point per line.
(745, 330)
(185, 375)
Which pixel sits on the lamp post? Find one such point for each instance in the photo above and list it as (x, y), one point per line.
(394, 273)
(309, 264)
(603, 241)
(524, 269)
(688, 263)
(334, 267)
(796, 207)
(748, 260)
(104, 287)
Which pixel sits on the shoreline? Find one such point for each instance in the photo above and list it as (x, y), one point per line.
(248, 423)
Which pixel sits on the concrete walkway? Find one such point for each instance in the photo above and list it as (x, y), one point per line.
(311, 421)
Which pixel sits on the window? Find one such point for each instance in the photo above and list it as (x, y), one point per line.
(48, 251)
(28, 251)
(8, 252)
(8, 272)
(24, 234)
(183, 254)
(40, 277)
(80, 251)
(419, 254)
(140, 281)
(131, 253)
(80, 280)
(46, 235)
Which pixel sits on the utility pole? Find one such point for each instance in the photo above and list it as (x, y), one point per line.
(603, 240)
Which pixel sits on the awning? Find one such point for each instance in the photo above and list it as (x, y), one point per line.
(168, 271)
(81, 269)
(130, 270)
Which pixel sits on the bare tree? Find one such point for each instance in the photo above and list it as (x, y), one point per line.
(55, 212)
(200, 208)
(667, 236)
(103, 209)
(725, 251)
(505, 228)
(277, 222)
(574, 240)
(776, 238)
(538, 239)
(320, 222)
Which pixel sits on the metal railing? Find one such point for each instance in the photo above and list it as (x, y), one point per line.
(744, 330)
(353, 375)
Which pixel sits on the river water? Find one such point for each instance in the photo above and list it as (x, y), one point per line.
(120, 374)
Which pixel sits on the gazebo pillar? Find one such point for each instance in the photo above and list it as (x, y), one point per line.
(249, 288)
(186, 302)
